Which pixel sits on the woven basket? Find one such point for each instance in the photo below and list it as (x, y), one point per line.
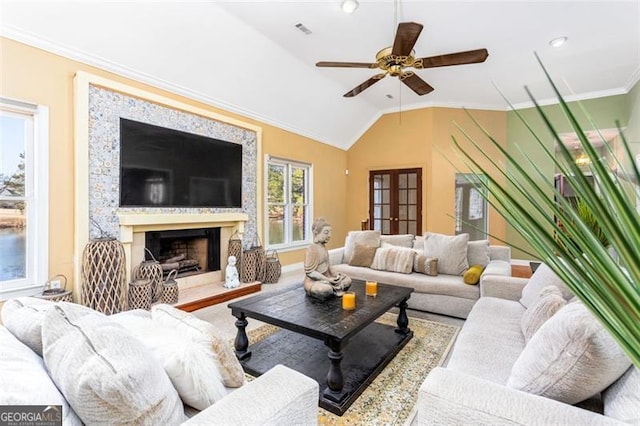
(273, 268)
(170, 289)
(249, 268)
(153, 270)
(235, 249)
(140, 294)
(56, 294)
(104, 286)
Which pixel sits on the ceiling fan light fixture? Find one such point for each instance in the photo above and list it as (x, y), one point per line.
(558, 41)
(349, 6)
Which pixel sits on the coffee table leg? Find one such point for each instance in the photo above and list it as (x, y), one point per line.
(403, 320)
(335, 378)
(242, 342)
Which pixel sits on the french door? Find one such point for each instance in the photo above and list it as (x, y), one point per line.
(395, 201)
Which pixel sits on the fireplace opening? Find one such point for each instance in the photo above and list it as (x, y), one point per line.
(190, 251)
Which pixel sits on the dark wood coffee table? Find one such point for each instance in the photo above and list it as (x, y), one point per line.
(359, 348)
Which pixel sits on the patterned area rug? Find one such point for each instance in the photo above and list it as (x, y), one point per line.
(390, 399)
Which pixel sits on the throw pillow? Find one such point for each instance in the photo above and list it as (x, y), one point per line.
(105, 373)
(205, 335)
(362, 255)
(622, 399)
(23, 317)
(24, 379)
(192, 369)
(451, 252)
(402, 240)
(365, 238)
(472, 275)
(425, 265)
(393, 259)
(570, 358)
(548, 302)
(543, 277)
(478, 253)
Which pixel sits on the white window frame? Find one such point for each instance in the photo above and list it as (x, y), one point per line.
(288, 164)
(36, 198)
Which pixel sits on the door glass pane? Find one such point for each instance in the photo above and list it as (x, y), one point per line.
(298, 185)
(377, 211)
(402, 227)
(276, 224)
(413, 180)
(386, 211)
(386, 227)
(377, 182)
(386, 181)
(298, 222)
(402, 196)
(413, 196)
(412, 213)
(275, 183)
(377, 225)
(402, 180)
(402, 212)
(386, 199)
(412, 228)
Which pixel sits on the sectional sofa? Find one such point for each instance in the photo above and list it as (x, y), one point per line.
(367, 255)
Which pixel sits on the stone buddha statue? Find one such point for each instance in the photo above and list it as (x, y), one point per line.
(320, 281)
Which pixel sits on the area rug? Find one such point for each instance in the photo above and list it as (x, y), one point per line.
(391, 397)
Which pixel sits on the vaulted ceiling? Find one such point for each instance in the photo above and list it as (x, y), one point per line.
(249, 57)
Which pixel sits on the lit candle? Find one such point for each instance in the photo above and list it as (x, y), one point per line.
(349, 301)
(372, 288)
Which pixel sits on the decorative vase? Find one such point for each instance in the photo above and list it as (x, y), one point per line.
(104, 286)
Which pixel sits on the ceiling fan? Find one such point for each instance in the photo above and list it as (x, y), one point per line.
(393, 61)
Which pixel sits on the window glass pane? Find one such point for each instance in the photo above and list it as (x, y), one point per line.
(275, 183)
(402, 180)
(276, 224)
(12, 154)
(298, 185)
(13, 240)
(298, 222)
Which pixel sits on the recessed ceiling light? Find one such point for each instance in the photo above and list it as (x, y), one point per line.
(349, 6)
(558, 41)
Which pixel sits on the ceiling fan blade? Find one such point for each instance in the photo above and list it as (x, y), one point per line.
(406, 38)
(459, 58)
(416, 84)
(347, 64)
(373, 80)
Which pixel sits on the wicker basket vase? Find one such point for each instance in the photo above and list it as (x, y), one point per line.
(104, 286)
(273, 268)
(253, 263)
(140, 294)
(56, 294)
(152, 270)
(170, 289)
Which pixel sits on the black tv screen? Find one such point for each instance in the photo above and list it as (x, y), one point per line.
(161, 167)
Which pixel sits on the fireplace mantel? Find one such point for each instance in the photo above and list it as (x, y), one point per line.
(134, 225)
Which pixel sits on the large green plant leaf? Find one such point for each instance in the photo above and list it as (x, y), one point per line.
(606, 279)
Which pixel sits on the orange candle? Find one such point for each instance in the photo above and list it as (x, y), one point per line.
(349, 301)
(371, 288)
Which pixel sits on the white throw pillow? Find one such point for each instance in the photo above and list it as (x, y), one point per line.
(192, 370)
(24, 379)
(451, 252)
(548, 302)
(364, 238)
(622, 399)
(23, 317)
(393, 259)
(402, 240)
(203, 334)
(543, 277)
(478, 253)
(106, 375)
(570, 358)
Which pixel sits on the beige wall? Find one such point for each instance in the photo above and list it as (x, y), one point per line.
(421, 138)
(33, 75)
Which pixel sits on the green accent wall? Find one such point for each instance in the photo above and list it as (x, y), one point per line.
(602, 111)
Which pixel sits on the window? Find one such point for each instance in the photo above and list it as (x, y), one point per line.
(288, 207)
(471, 207)
(24, 203)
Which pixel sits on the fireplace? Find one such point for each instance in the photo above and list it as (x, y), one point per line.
(190, 251)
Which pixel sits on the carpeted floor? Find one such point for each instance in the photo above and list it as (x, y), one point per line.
(390, 398)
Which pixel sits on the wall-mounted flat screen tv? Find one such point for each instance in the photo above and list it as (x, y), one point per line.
(161, 167)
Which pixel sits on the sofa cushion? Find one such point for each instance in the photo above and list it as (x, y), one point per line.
(490, 340)
(472, 275)
(543, 277)
(622, 399)
(425, 265)
(570, 358)
(478, 253)
(451, 252)
(23, 317)
(366, 238)
(192, 369)
(362, 255)
(105, 373)
(24, 379)
(204, 334)
(418, 242)
(394, 259)
(548, 302)
(402, 240)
